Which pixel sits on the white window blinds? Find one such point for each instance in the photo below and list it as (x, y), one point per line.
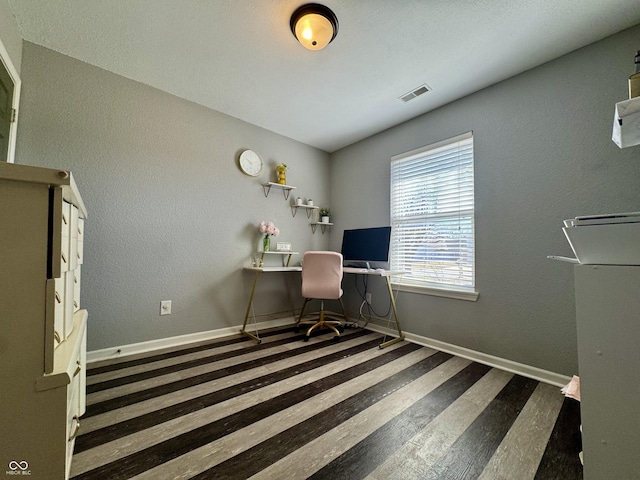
(432, 213)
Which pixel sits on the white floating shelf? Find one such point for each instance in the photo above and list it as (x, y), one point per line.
(323, 226)
(286, 189)
(308, 208)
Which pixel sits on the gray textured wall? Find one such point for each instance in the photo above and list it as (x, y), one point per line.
(171, 217)
(543, 153)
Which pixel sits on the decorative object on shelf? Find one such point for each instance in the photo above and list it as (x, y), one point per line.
(281, 172)
(324, 220)
(250, 163)
(283, 247)
(268, 229)
(309, 203)
(325, 213)
(314, 26)
(298, 201)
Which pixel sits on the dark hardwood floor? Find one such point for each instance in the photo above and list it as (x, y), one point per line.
(286, 409)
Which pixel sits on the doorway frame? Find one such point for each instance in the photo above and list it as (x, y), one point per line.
(15, 78)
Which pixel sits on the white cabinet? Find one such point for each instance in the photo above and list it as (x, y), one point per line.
(42, 326)
(608, 323)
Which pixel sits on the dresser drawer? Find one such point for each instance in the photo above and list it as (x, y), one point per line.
(69, 303)
(73, 238)
(75, 398)
(58, 315)
(73, 423)
(80, 244)
(76, 289)
(75, 385)
(65, 251)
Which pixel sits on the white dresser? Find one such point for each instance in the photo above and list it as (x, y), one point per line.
(608, 320)
(43, 329)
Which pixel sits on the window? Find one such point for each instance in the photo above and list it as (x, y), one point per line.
(432, 215)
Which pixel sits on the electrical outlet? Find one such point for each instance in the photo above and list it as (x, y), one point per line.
(165, 307)
(369, 298)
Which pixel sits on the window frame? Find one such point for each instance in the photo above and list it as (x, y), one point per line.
(15, 100)
(401, 283)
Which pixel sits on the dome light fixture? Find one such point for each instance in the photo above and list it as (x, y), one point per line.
(314, 26)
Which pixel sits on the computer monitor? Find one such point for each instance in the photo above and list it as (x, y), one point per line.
(366, 245)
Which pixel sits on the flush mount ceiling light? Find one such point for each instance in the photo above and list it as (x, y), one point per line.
(314, 25)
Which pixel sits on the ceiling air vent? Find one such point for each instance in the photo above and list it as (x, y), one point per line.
(416, 92)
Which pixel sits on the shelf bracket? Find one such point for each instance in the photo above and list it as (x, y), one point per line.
(323, 226)
(310, 209)
(286, 189)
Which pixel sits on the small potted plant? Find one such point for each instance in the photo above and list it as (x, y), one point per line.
(325, 213)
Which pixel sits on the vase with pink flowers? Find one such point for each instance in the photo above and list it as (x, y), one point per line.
(269, 230)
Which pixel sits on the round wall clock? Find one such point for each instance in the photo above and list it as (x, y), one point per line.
(250, 163)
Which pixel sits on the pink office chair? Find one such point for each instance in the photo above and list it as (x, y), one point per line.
(322, 280)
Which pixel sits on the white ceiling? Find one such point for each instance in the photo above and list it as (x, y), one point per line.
(239, 56)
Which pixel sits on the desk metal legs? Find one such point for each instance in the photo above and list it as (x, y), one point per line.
(256, 337)
(395, 316)
(249, 307)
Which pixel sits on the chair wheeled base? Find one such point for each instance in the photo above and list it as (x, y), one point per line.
(335, 325)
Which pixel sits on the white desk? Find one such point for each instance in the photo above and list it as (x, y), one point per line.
(387, 274)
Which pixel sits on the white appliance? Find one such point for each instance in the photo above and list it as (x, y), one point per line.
(607, 306)
(611, 239)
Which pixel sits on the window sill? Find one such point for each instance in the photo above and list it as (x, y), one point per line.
(468, 295)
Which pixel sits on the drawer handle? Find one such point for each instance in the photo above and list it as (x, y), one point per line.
(64, 259)
(75, 432)
(78, 255)
(56, 336)
(64, 219)
(58, 299)
(75, 279)
(78, 368)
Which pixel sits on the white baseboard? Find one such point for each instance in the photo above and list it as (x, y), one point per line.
(497, 362)
(486, 359)
(162, 343)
